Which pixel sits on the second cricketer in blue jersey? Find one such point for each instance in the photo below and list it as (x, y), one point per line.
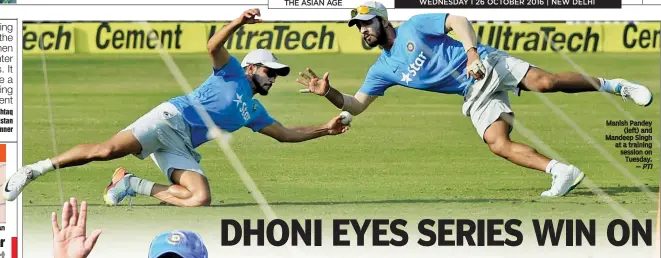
(419, 54)
(170, 133)
(423, 58)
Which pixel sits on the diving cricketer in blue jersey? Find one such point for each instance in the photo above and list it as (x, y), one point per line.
(419, 54)
(170, 132)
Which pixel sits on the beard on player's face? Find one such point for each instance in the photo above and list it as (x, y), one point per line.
(374, 33)
(261, 82)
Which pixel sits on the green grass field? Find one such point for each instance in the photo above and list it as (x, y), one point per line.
(411, 155)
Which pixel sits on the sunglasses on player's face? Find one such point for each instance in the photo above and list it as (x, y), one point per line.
(364, 9)
(360, 10)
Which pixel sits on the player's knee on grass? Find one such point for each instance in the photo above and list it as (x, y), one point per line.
(201, 197)
(196, 184)
(539, 81)
(197, 199)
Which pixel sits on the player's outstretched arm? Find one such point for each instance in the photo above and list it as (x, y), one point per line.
(466, 35)
(216, 45)
(321, 86)
(300, 134)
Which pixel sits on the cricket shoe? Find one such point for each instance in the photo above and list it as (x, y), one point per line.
(640, 94)
(119, 188)
(564, 181)
(17, 182)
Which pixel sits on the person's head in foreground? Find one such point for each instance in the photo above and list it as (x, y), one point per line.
(262, 68)
(178, 244)
(372, 21)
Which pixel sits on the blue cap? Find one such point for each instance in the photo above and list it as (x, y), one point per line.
(186, 244)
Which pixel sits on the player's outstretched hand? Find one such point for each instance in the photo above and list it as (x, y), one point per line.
(335, 126)
(71, 240)
(475, 66)
(250, 16)
(313, 83)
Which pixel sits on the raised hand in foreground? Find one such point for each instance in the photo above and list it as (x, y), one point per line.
(71, 240)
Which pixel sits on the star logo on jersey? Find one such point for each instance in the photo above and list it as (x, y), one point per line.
(238, 100)
(414, 68)
(406, 77)
(243, 107)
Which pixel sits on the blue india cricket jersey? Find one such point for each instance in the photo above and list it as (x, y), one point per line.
(422, 57)
(227, 97)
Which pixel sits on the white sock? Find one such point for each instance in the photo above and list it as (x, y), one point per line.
(549, 167)
(42, 167)
(558, 166)
(141, 186)
(609, 86)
